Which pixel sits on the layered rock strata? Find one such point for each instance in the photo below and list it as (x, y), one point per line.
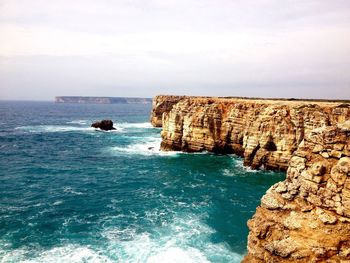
(305, 218)
(265, 132)
(162, 104)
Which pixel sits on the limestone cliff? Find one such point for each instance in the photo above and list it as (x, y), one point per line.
(162, 104)
(305, 218)
(265, 132)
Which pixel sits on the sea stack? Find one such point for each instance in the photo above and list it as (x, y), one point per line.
(306, 217)
(105, 125)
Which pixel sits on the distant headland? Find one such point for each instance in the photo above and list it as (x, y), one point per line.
(101, 100)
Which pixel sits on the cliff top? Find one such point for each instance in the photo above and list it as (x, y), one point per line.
(262, 100)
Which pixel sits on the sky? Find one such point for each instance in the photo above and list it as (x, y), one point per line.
(256, 48)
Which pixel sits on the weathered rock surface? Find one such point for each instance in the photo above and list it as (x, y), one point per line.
(105, 125)
(305, 218)
(160, 105)
(265, 132)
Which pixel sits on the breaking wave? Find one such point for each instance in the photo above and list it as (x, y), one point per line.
(81, 126)
(53, 128)
(78, 122)
(145, 146)
(69, 253)
(184, 240)
(137, 125)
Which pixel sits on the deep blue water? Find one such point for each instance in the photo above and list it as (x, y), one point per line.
(70, 193)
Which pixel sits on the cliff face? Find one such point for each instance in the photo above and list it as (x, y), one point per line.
(266, 133)
(162, 104)
(305, 218)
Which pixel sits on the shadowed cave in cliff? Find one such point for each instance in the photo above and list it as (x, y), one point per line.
(270, 146)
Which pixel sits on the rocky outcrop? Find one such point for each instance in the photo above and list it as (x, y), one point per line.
(162, 104)
(105, 125)
(305, 218)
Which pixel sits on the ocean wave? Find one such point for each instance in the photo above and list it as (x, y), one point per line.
(70, 190)
(146, 146)
(80, 126)
(59, 202)
(60, 128)
(185, 239)
(78, 122)
(68, 253)
(132, 125)
(239, 163)
(53, 128)
(176, 254)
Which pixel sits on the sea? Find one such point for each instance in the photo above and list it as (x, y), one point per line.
(72, 193)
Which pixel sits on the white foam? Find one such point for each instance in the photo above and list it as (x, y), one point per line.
(178, 255)
(58, 202)
(145, 249)
(120, 234)
(239, 164)
(79, 122)
(147, 146)
(185, 239)
(131, 125)
(228, 172)
(53, 128)
(80, 126)
(70, 190)
(69, 253)
(16, 255)
(116, 130)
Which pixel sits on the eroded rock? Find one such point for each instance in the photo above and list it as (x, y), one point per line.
(105, 125)
(305, 218)
(317, 226)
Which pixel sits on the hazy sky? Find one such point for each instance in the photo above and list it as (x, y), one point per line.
(268, 48)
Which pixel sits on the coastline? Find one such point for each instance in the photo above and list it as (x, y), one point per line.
(310, 139)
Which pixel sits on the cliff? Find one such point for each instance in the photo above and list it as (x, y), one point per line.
(162, 104)
(265, 132)
(101, 100)
(304, 218)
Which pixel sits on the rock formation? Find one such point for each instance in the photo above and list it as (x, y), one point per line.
(162, 104)
(305, 218)
(105, 125)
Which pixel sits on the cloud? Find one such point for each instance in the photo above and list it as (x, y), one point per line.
(251, 46)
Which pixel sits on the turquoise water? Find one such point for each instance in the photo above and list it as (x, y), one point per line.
(70, 193)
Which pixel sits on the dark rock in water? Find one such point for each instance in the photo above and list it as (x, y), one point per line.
(105, 125)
